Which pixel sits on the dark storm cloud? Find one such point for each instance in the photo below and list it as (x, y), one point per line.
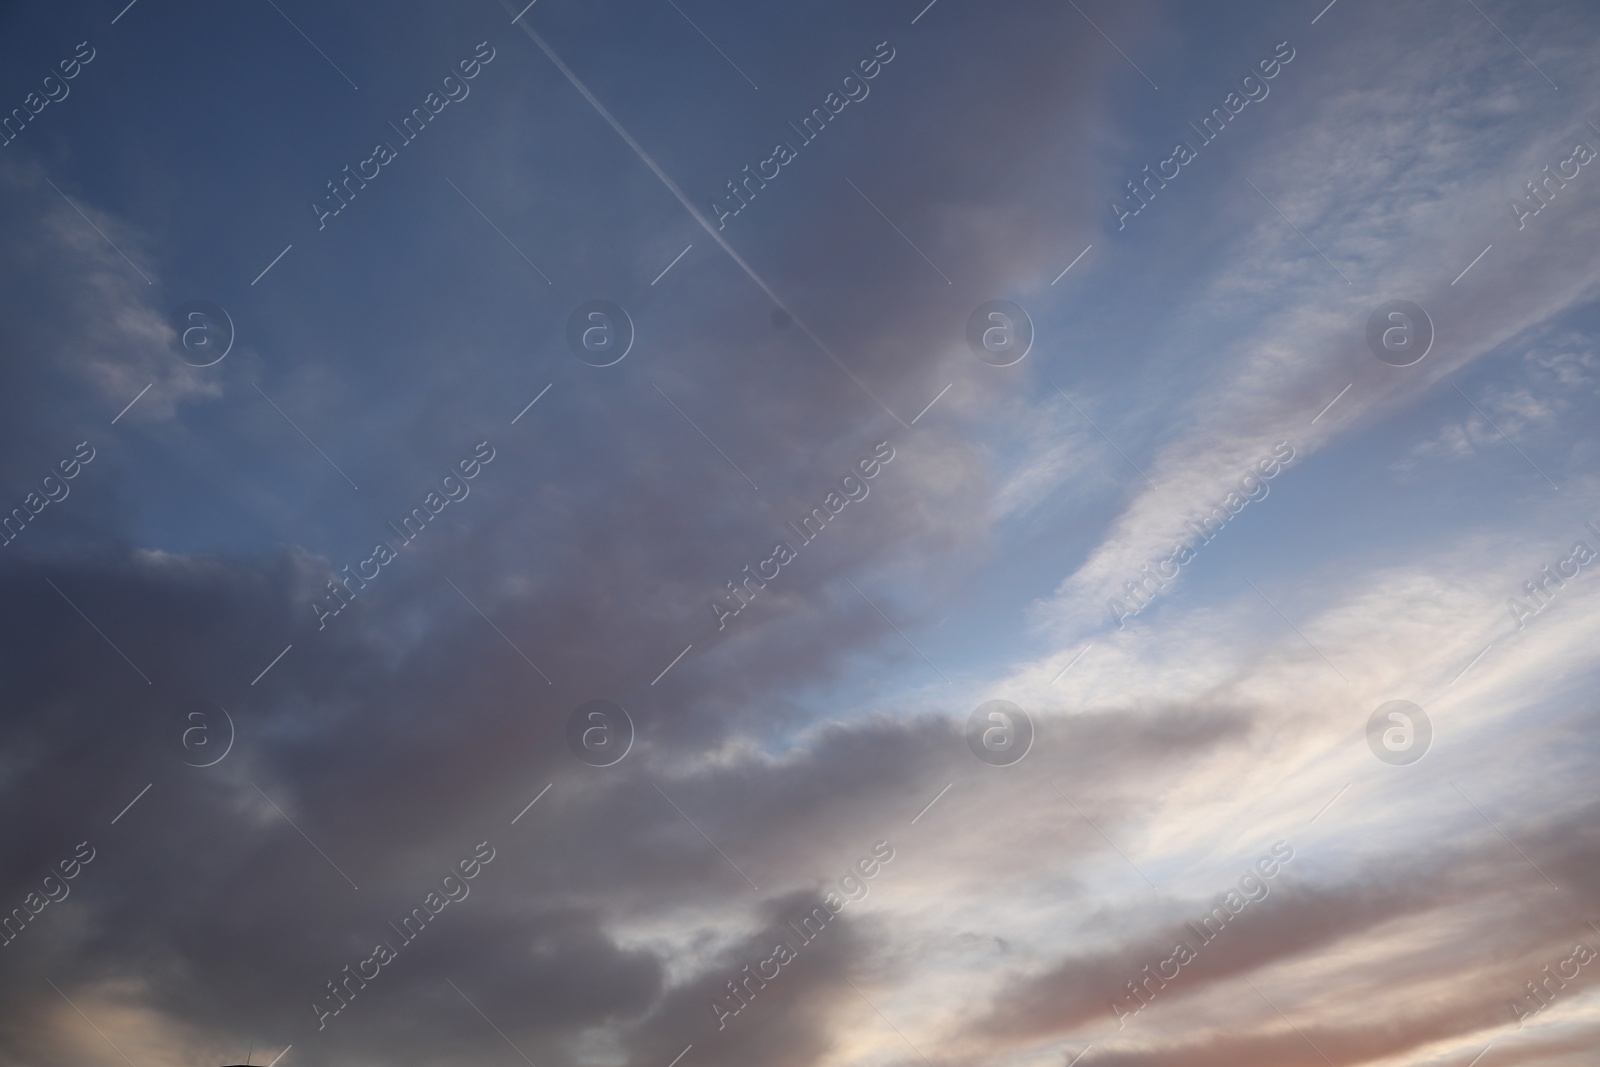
(356, 752)
(783, 1019)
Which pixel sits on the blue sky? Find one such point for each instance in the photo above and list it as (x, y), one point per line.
(427, 322)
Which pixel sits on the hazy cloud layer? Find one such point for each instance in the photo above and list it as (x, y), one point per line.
(308, 632)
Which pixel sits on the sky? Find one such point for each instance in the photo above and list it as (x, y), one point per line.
(680, 533)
